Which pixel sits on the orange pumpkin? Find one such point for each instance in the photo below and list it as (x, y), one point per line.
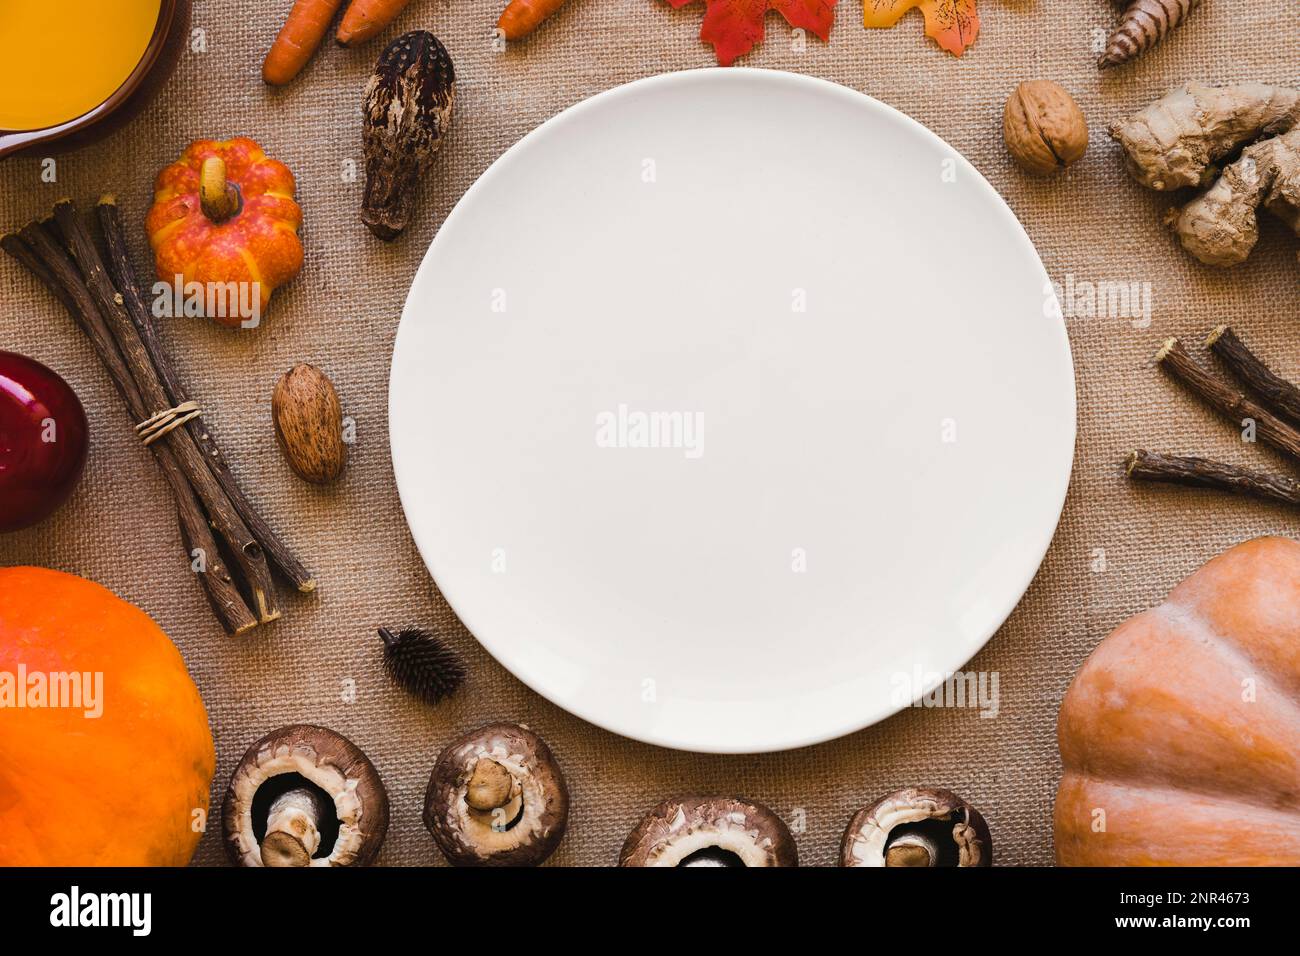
(126, 787)
(225, 213)
(1180, 735)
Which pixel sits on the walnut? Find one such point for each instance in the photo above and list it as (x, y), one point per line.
(1044, 128)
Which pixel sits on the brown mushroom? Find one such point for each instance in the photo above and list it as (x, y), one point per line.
(710, 831)
(304, 796)
(917, 826)
(497, 797)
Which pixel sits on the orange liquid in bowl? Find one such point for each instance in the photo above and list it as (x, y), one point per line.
(62, 58)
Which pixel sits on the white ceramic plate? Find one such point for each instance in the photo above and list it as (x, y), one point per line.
(864, 410)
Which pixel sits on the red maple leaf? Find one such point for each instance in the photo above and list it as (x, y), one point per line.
(735, 27)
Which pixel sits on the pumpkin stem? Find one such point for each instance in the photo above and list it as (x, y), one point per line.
(218, 198)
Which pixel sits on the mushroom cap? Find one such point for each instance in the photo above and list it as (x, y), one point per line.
(331, 762)
(538, 797)
(867, 836)
(677, 828)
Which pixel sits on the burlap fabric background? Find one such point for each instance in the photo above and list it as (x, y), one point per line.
(1117, 551)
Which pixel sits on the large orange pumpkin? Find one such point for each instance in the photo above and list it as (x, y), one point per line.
(126, 788)
(1180, 735)
(225, 213)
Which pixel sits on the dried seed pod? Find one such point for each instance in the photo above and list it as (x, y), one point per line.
(1143, 25)
(309, 424)
(407, 112)
(422, 663)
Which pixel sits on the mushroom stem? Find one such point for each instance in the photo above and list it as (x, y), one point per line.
(218, 198)
(912, 849)
(292, 829)
(489, 786)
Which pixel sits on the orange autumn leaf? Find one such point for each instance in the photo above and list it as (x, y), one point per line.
(735, 27)
(953, 24)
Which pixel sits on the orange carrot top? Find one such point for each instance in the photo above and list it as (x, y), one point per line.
(522, 17)
(365, 18)
(298, 39)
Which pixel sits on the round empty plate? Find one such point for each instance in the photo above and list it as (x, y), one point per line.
(730, 410)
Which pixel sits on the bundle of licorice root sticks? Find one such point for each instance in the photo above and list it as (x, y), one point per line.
(228, 545)
(1269, 407)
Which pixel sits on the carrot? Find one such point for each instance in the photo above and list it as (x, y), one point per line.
(365, 18)
(522, 17)
(298, 39)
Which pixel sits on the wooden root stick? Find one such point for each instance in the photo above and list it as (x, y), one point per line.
(39, 251)
(243, 547)
(118, 261)
(1205, 473)
(1279, 394)
(1228, 401)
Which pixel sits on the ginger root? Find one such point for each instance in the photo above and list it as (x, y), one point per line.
(1220, 227)
(1143, 25)
(1178, 140)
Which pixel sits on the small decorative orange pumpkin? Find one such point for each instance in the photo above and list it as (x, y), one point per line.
(105, 753)
(1180, 735)
(225, 213)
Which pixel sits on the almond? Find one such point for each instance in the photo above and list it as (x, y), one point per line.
(309, 424)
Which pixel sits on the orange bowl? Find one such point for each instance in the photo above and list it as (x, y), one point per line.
(154, 67)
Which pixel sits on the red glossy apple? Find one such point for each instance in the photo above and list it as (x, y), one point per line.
(42, 441)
